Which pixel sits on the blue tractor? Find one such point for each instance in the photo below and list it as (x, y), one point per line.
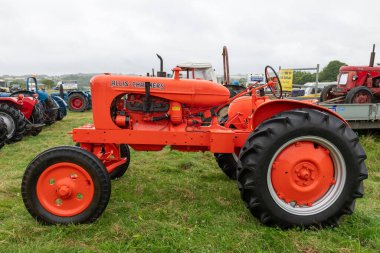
(77, 100)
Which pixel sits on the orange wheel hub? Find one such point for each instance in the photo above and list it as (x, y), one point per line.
(65, 189)
(302, 173)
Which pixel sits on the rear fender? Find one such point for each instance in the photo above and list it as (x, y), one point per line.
(28, 106)
(78, 91)
(61, 103)
(14, 101)
(269, 109)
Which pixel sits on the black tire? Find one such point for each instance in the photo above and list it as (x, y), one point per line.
(326, 93)
(87, 161)
(37, 117)
(228, 164)
(360, 89)
(120, 170)
(60, 115)
(51, 111)
(223, 115)
(269, 137)
(3, 132)
(15, 122)
(71, 100)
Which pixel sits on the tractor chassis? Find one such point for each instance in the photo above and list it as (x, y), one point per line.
(216, 139)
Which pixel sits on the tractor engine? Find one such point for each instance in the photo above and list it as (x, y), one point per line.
(136, 111)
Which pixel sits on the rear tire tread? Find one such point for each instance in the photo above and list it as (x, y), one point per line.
(247, 167)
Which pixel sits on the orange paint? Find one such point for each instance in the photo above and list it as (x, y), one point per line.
(300, 177)
(180, 113)
(65, 189)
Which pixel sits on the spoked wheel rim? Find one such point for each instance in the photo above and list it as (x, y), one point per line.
(306, 175)
(362, 97)
(65, 189)
(76, 103)
(10, 123)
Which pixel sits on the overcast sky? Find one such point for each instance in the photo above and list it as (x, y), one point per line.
(88, 36)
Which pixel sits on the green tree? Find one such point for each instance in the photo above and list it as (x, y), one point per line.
(331, 71)
(17, 82)
(242, 81)
(48, 83)
(302, 77)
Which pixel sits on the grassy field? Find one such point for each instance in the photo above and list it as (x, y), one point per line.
(173, 202)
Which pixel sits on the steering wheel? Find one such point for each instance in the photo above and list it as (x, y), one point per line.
(271, 78)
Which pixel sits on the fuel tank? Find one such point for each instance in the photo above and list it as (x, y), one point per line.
(190, 92)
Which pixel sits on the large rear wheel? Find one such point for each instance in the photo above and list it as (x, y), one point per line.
(15, 122)
(302, 168)
(359, 95)
(50, 111)
(3, 132)
(37, 117)
(77, 102)
(66, 185)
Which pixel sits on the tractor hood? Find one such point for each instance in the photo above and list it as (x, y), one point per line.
(190, 92)
(358, 68)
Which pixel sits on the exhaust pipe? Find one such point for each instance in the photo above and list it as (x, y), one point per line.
(226, 66)
(372, 59)
(161, 62)
(161, 73)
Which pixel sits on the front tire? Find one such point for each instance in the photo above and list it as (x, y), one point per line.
(124, 151)
(326, 93)
(301, 168)
(228, 164)
(66, 185)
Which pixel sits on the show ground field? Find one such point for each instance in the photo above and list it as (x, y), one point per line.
(170, 201)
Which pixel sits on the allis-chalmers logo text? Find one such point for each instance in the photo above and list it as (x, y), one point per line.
(115, 83)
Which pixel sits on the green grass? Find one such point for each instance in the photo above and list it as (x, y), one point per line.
(170, 201)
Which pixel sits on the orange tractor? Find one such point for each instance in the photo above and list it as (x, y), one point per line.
(296, 163)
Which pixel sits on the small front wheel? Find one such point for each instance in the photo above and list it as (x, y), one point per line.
(66, 185)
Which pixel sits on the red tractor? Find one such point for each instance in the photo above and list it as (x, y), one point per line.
(20, 115)
(356, 85)
(296, 163)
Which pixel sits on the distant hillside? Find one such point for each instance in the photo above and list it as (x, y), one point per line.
(82, 79)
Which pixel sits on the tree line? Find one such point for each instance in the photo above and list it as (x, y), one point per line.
(328, 74)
